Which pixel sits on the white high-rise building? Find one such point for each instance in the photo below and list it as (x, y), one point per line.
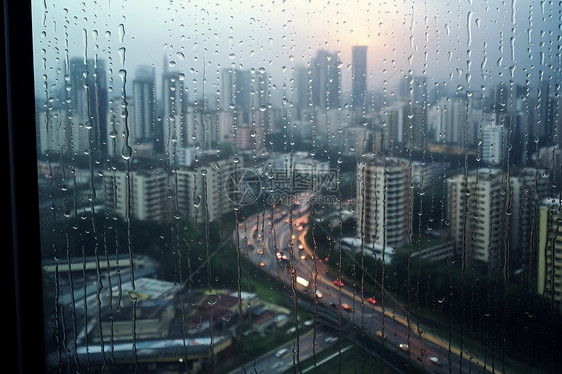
(494, 144)
(450, 123)
(395, 124)
(476, 210)
(384, 201)
(201, 190)
(55, 130)
(173, 120)
(138, 194)
(119, 127)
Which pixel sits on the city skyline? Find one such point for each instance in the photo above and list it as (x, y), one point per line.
(361, 167)
(160, 109)
(451, 49)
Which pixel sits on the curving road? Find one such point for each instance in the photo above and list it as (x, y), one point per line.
(274, 241)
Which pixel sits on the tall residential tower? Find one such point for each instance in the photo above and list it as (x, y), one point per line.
(384, 200)
(359, 76)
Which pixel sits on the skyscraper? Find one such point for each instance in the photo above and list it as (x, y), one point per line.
(359, 76)
(243, 90)
(235, 90)
(384, 201)
(325, 75)
(144, 109)
(476, 210)
(88, 99)
(259, 89)
(450, 124)
(494, 144)
(301, 88)
(405, 125)
(545, 114)
(526, 187)
(139, 194)
(174, 101)
(201, 189)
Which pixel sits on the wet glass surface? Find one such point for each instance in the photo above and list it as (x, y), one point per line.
(299, 186)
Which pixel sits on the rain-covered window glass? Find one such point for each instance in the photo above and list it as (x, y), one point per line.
(300, 186)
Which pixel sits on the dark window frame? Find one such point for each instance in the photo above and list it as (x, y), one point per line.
(23, 328)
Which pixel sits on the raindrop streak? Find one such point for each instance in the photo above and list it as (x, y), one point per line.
(121, 29)
(121, 52)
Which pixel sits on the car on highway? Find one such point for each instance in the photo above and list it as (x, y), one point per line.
(281, 352)
(318, 294)
(435, 361)
(281, 256)
(372, 300)
(404, 347)
(347, 307)
(380, 335)
(338, 282)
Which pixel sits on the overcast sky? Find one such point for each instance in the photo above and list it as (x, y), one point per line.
(468, 43)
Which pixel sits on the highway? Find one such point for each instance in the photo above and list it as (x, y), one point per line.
(275, 244)
(285, 357)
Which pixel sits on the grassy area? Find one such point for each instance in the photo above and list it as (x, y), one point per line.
(348, 359)
(424, 242)
(433, 321)
(270, 290)
(436, 322)
(252, 347)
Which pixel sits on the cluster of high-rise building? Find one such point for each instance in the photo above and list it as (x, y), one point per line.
(504, 124)
(491, 214)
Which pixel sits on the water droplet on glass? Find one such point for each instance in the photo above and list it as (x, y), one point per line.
(212, 300)
(132, 296)
(121, 52)
(121, 28)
